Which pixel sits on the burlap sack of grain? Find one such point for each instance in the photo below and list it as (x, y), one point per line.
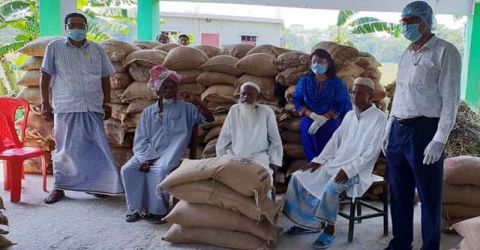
(341, 55)
(117, 134)
(189, 76)
(294, 166)
(218, 194)
(219, 94)
(352, 70)
(211, 51)
(462, 170)
(47, 145)
(119, 111)
(184, 58)
(267, 86)
(367, 61)
(373, 74)
(137, 91)
(139, 73)
(293, 57)
(147, 58)
(237, 50)
(379, 92)
(209, 151)
(216, 237)
(383, 104)
(290, 76)
(146, 45)
(289, 93)
(348, 81)
(116, 95)
(121, 155)
(208, 79)
(219, 120)
(260, 64)
(131, 120)
(31, 95)
(222, 64)
(34, 165)
(138, 106)
(37, 127)
(291, 124)
(467, 195)
(216, 108)
(470, 231)
(242, 175)
(118, 50)
(120, 80)
(213, 133)
(192, 88)
(32, 63)
(38, 46)
(294, 151)
(30, 79)
(291, 137)
(118, 66)
(268, 49)
(207, 216)
(447, 225)
(167, 47)
(457, 211)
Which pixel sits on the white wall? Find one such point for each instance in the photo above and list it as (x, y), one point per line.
(67, 7)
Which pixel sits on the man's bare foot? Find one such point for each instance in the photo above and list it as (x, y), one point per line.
(55, 196)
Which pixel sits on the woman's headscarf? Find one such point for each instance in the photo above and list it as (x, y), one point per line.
(159, 74)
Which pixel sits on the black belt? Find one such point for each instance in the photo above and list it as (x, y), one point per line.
(416, 121)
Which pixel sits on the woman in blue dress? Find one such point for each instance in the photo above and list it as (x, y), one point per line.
(322, 100)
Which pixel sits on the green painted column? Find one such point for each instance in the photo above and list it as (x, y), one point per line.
(50, 18)
(148, 19)
(471, 65)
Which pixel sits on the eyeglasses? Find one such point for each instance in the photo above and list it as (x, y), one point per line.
(80, 26)
(410, 20)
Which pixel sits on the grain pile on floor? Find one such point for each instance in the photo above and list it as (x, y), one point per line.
(470, 231)
(224, 202)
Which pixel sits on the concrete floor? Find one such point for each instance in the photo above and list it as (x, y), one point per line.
(83, 222)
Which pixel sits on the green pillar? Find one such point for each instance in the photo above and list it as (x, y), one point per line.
(148, 19)
(471, 65)
(50, 18)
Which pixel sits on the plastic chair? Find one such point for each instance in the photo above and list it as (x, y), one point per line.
(13, 152)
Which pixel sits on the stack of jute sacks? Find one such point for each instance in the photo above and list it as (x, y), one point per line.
(461, 190)
(39, 133)
(224, 202)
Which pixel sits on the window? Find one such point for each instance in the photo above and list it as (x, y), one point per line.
(249, 40)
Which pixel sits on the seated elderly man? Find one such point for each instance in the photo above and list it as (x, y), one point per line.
(161, 139)
(250, 131)
(346, 164)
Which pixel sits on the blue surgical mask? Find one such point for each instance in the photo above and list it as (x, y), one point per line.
(77, 35)
(318, 68)
(411, 32)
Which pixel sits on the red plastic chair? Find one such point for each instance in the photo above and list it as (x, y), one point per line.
(13, 152)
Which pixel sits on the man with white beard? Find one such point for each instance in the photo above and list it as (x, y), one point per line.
(250, 131)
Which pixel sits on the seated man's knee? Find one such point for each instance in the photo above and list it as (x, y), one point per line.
(333, 189)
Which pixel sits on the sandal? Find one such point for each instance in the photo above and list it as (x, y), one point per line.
(324, 241)
(295, 230)
(156, 219)
(133, 217)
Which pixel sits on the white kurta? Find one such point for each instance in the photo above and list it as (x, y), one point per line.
(354, 147)
(256, 137)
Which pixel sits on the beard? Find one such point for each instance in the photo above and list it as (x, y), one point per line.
(247, 110)
(167, 101)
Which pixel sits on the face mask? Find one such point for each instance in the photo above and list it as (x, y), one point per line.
(411, 32)
(318, 68)
(77, 34)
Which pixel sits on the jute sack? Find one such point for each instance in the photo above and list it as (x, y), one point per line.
(470, 231)
(37, 127)
(348, 81)
(383, 104)
(118, 50)
(192, 88)
(222, 64)
(237, 50)
(211, 51)
(289, 93)
(137, 91)
(219, 120)
(456, 211)
(267, 86)
(467, 195)
(131, 120)
(379, 92)
(118, 66)
(217, 194)
(148, 58)
(139, 73)
(216, 108)
(146, 45)
(30, 79)
(219, 94)
(209, 151)
(120, 80)
(293, 57)
(291, 124)
(291, 137)
(367, 61)
(116, 95)
(260, 64)
(34, 165)
(341, 55)
(117, 133)
(138, 106)
(242, 175)
(119, 111)
(47, 145)
(215, 237)
(167, 47)
(32, 63)
(373, 74)
(290, 76)
(208, 79)
(268, 49)
(213, 133)
(189, 76)
(294, 151)
(295, 165)
(447, 225)
(208, 216)
(352, 70)
(184, 58)
(38, 46)
(121, 155)
(462, 170)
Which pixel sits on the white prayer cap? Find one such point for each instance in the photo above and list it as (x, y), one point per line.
(367, 82)
(251, 84)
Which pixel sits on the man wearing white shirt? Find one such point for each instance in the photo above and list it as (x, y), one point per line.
(345, 164)
(422, 117)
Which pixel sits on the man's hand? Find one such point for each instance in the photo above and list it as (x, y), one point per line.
(341, 177)
(145, 167)
(108, 112)
(47, 112)
(184, 95)
(433, 152)
(312, 165)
